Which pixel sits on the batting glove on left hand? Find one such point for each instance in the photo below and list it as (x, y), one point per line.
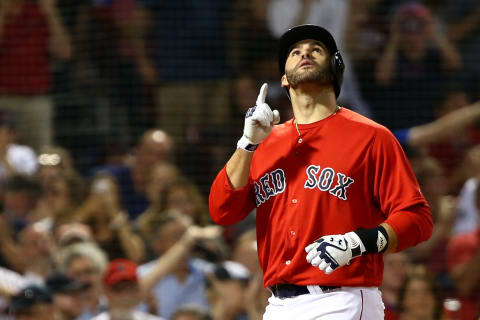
(331, 252)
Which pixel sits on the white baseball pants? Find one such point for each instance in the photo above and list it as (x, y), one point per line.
(348, 303)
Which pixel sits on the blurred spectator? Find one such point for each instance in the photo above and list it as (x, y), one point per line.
(244, 251)
(35, 243)
(191, 313)
(112, 55)
(163, 174)
(86, 262)
(71, 233)
(32, 303)
(52, 161)
(396, 267)
(176, 277)
(366, 32)
(463, 19)
(431, 253)
(418, 297)
(20, 197)
(188, 64)
(14, 158)
(463, 253)
(67, 292)
(284, 14)
(227, 287)
(31, 32)
(410, 71)
(62, 195)
(251, 44)
(449, 136)
(467, 217)
(454, 118)
(102, 212)
(123, 292)
(454, 104)
(185, 197)
(154, 147)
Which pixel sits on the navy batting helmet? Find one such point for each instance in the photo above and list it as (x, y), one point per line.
(310, 31)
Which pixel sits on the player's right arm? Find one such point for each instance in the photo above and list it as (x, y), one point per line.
(231, 197)
(259, 122)
(238, 168)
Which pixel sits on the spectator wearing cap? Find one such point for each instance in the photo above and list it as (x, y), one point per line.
(123, 292)
(32, 303)
(67, 292)
(227, 291)
(14, 158)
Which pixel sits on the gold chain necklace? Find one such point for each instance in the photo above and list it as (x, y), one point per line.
(296, 125)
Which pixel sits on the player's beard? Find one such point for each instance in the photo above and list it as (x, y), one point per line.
(317, 73)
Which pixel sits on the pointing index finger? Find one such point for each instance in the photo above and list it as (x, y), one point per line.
(263, 94)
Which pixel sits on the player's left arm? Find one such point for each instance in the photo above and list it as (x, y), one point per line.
(408, 217)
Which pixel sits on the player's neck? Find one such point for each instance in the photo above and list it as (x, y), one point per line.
(311, 104)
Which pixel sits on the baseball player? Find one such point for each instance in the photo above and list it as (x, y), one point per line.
(333, 191)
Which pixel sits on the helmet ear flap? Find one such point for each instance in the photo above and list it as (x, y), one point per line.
(338, 67)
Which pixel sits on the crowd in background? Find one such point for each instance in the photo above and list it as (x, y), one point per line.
(115, 115)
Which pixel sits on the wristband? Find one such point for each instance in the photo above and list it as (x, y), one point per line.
(375, 240)
(246, 144)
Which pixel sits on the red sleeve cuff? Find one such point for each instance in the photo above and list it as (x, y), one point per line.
(411, 226)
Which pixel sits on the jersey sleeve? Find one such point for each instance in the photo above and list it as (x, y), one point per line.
(228, 205)
(397, 192)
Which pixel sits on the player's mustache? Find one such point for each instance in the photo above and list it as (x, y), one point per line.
(305, 61)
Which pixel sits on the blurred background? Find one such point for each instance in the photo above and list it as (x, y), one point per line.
(116, 115)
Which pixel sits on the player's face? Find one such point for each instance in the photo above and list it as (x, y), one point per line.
(308, 61)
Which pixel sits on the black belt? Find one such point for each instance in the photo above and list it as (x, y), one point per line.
(284, 290)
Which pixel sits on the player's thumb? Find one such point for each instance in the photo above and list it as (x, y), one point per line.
(276, 117)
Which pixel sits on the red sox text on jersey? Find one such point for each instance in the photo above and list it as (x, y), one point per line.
(274, 183)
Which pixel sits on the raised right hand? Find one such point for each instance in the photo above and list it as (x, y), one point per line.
(260, 119)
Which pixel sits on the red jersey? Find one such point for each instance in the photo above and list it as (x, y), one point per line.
(342, 173)
(24, 56)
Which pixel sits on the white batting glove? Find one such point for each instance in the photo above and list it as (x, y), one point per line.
(259, 122)
(334, 251)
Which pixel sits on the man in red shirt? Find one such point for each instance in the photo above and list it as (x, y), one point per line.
(30, 31)
(333, 191)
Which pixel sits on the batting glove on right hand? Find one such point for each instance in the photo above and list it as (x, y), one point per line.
(259, 122)
(331, 252)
